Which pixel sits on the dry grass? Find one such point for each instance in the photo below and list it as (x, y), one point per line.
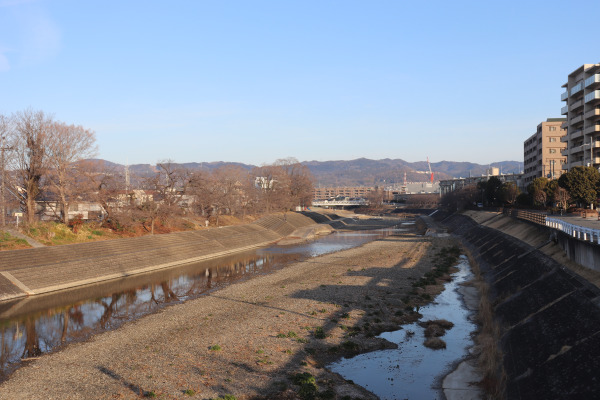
(436, 328)
(490, 355)
(435, 343)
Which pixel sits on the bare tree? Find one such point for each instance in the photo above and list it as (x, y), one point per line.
(107, 187)
(5, 129)
(28, 138)
(300, 182)
(270, 182)
(202, 189)
(227, 194)
(65, 147)
(170, 185)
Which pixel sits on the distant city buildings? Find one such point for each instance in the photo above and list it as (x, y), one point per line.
(450, 185)
(582, 110)
(389, 193)
(542, 151)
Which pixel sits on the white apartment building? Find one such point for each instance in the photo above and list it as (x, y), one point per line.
(582, 109)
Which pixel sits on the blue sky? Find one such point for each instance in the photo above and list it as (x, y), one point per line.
(254, 81)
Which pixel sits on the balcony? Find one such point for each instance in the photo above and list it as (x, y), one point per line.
(591, 129)
(576, 120)
(564, 152)
(576, 134)
(592, 96)
(577, 88)
(564, 96)
(593, 81)
(564, 110)
(564, 125)
(564, 139)
(578, 104)
(593, 114)
(577, 149)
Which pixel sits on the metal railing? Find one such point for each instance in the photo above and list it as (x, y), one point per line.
(575, 231)
(535, 217)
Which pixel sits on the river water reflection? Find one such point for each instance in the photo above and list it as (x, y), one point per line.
(413, 371)
(33, 326)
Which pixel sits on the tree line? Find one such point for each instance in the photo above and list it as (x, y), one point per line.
(50, 161)
(579, 187)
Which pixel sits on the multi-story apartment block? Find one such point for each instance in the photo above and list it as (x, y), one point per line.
(346, 191)
(542, 151)
(582, 97)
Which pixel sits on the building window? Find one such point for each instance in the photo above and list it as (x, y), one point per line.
(552, 139)
(552, 151)
(551, 128)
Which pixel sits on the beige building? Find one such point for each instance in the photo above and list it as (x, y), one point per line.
(542, 151)
(582, 97)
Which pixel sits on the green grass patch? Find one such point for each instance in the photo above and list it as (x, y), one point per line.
(319, 333)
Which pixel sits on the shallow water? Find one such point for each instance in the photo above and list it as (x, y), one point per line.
(413, 371)
(33, 326)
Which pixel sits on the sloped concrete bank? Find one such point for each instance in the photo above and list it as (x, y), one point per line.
(549, 317)
(47, 269)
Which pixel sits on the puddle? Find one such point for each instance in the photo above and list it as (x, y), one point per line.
(33, 326)
(413, 371)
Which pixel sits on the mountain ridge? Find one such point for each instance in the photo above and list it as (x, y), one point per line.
(358, 172)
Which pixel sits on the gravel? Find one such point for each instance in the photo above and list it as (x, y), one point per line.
(250, 338)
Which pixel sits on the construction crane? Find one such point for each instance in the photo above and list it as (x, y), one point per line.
(430, 173)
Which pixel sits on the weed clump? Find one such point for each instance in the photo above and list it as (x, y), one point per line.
(319, 333)
(436, 328)
(308, 385)
(215, 347)
(435, 343)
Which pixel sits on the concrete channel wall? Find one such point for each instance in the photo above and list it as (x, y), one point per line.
(549, 316)
(47, 269)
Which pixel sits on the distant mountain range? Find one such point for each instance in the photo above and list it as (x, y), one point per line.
(362, 171)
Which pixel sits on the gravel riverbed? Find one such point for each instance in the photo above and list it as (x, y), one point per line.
(249, 339)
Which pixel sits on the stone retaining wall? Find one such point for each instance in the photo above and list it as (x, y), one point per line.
(549, 316)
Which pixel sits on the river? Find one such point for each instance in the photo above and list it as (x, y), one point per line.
(37, 325)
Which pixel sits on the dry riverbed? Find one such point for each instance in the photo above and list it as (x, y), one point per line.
(253, 339)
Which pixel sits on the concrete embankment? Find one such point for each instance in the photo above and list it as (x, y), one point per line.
(42, 270)
(549, 316)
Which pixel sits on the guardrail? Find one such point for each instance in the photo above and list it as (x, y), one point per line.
(535, 217)
(340, 203)
(577, 231)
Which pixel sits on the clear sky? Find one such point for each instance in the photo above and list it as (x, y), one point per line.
(253, 81)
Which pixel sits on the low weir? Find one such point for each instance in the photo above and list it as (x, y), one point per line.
(549, 317)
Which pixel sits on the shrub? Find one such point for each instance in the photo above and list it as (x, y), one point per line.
(319, 333)
(216, 347)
